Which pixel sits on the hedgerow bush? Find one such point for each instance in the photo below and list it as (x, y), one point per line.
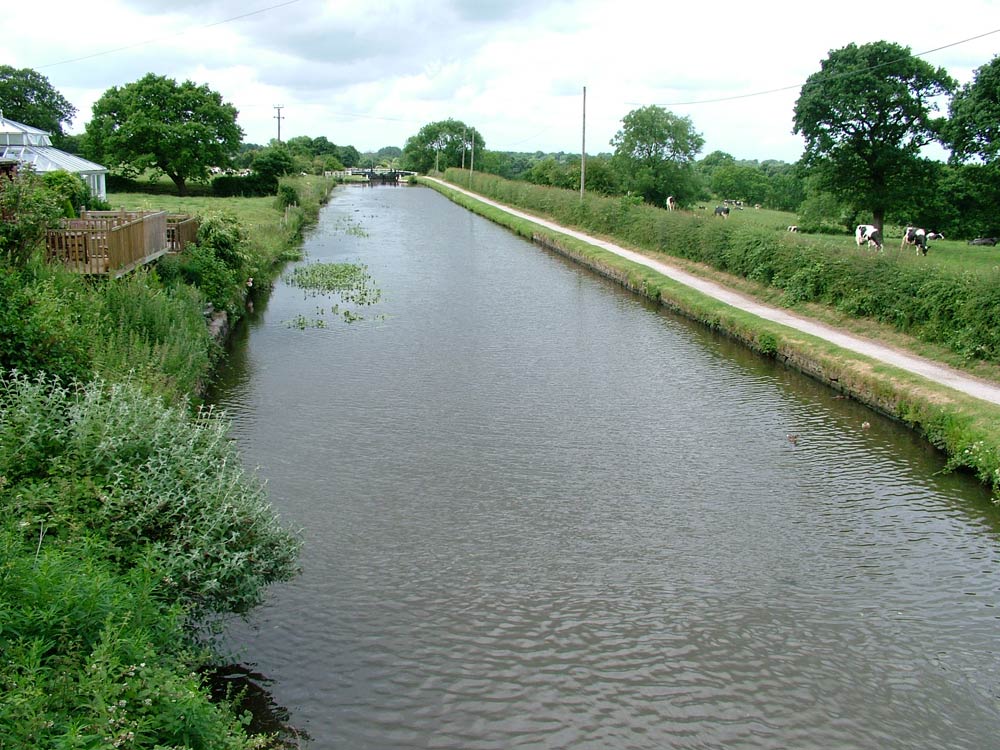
(958, 311)
(110, 461)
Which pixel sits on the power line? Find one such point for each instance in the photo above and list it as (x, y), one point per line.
(800, 85)
(168, 36)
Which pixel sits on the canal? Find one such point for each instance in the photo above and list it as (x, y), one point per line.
(541, 512)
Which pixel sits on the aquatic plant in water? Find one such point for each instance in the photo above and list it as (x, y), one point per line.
(350, 282)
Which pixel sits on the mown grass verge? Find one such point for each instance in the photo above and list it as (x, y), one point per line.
(967, 430)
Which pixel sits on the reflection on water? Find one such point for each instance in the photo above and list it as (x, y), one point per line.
(540, 512)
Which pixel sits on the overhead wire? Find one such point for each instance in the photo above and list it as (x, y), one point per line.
(167, 36)
(800, 85)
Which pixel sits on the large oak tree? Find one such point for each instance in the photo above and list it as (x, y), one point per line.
(155, 123)
(865, 117)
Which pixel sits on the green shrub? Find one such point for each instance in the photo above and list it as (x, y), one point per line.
(41, 322)
(27, 210)
(93, 658)
(225, 236)
(108, 460)
(219, 283)
(287, 196)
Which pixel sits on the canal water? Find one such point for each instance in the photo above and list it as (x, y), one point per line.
(540, 512)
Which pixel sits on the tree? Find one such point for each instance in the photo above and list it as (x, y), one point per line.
(654, 154)
(439, 145)
(27, 97)
(742, 182)
(865, 117)
(272, 163)
(154, 123)
(974, 128)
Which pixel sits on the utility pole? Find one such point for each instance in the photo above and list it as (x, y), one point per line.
(279, 118)
(472, 160)
(464, 135)
(583, 146)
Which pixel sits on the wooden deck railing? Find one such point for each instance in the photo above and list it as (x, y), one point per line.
(181, 230)
(115, 242)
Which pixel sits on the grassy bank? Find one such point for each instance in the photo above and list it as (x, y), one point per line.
(130, 527)
(966, 429)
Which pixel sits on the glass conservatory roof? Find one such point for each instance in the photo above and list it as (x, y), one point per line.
(33, 146)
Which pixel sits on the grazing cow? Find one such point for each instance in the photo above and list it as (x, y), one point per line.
(867, 234)
(917, 237)
(934, 236)
(671, 203)
(722, 211)
(793, 228)
(991, 241)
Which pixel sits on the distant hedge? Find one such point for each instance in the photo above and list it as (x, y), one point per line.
(959, 311)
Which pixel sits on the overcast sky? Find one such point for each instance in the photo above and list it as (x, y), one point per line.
(370, 73)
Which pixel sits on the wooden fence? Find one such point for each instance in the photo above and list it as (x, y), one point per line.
(181, 230)
(115, 242)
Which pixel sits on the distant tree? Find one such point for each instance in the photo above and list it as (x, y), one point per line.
(441, 144)
(974, 128)
(270, 164)
(713, 161)
(742, 182)
(389, 152)
(179, 130)
(654, 154)
(865, 117)
(27, 97)
(349, 156)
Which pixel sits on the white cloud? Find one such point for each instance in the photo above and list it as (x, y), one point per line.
(370, 73)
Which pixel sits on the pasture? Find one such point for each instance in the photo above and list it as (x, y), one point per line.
(952, 256)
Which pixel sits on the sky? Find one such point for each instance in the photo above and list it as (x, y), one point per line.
(371, 73)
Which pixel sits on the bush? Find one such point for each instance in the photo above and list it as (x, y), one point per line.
(109, 461)
(287, 196)
(41, 316)
(92, 658)
(218, 283)
(224, 235)
(27, 210)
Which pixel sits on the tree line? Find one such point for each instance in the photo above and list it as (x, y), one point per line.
(866, 118)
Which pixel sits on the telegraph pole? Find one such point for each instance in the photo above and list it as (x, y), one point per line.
(279, 118)
(472, 160)
(464, 136)
(583, 146)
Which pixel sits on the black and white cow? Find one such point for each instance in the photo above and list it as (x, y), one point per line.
(868, 234)
(671, 203)
(722, 211)
(991, 241)
(934, 236)
(917, 237)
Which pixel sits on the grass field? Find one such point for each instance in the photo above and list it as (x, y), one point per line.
(954, 256)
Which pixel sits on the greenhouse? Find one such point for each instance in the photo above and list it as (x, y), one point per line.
(28, 145)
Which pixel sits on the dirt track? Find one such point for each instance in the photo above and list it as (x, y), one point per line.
(933, 371)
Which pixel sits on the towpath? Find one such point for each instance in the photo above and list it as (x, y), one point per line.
(929, 369)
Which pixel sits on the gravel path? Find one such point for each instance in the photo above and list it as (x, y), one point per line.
(934, 371)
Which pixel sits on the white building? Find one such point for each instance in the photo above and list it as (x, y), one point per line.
(29, 145)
